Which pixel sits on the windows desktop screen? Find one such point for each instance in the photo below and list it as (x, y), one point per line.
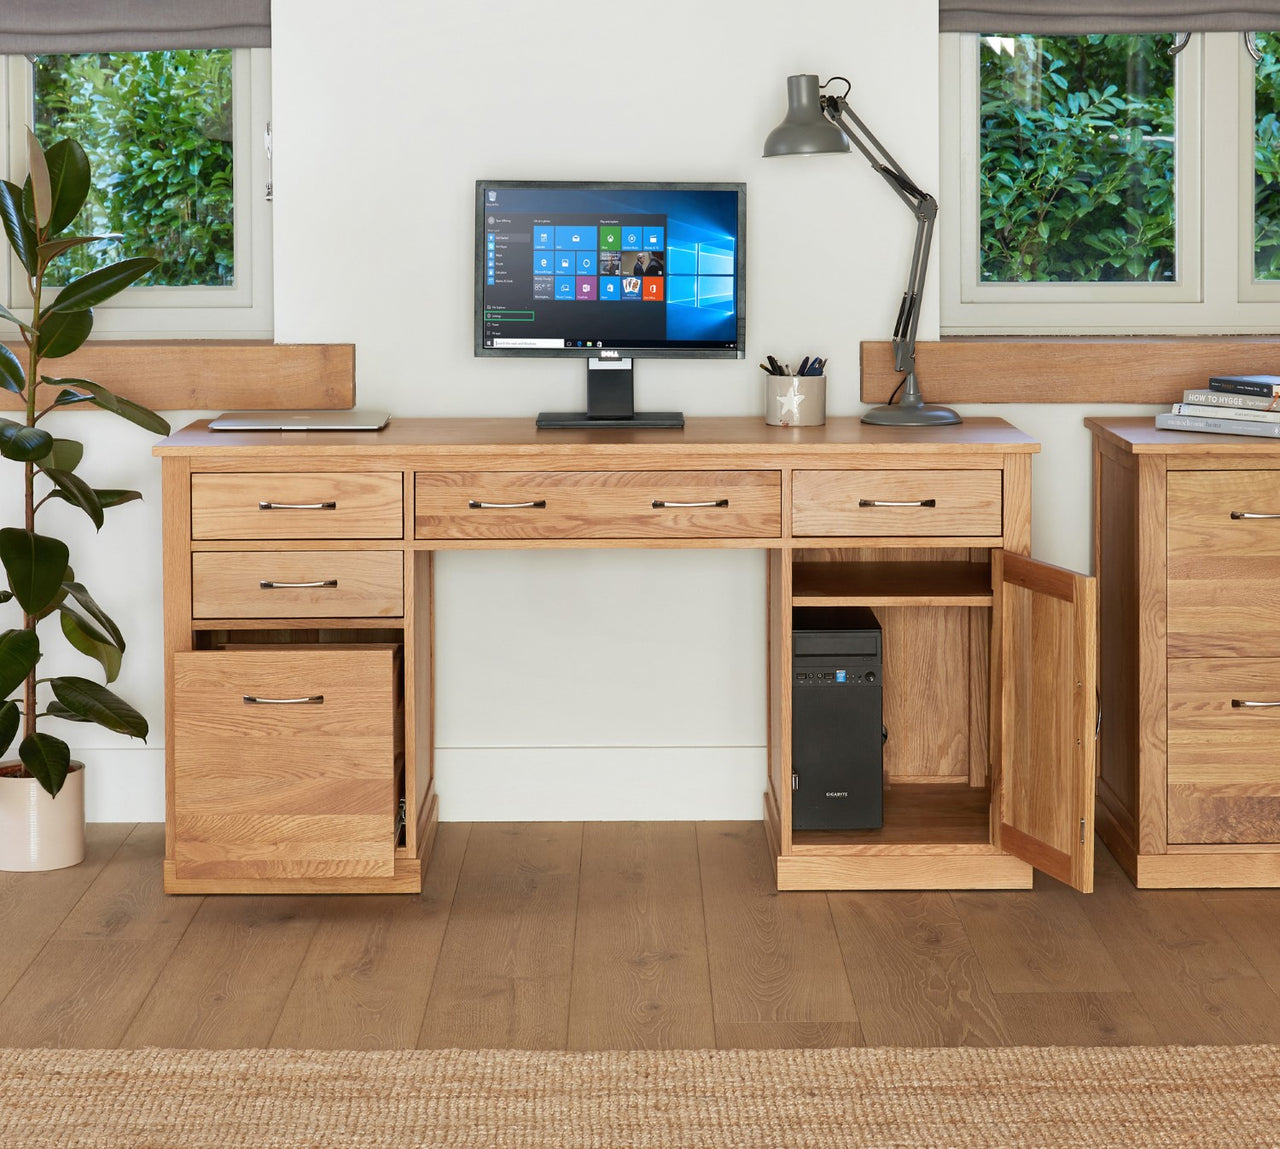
(644, 268)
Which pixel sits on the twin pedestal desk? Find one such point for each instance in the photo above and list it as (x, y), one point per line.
(298, 633)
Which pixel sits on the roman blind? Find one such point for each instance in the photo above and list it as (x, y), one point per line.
(35, 27)
(1053, 17)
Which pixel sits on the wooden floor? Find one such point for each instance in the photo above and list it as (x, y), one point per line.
(633, 935)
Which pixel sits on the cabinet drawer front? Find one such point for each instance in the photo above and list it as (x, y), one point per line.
(1224, 572)
(1224, 754)
(267, 786)
(317, 505)
(896, 503)
(599, 505)
(297, 584)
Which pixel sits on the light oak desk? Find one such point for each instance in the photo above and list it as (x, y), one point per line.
(298, 633)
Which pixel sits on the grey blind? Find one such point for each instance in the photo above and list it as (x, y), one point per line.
(39, 26)
(1054, 17)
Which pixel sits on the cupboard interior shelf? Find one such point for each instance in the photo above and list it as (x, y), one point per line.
(945, 814)
(891, 584)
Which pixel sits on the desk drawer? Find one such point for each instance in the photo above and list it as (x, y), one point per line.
(337, 505)
(598, 505)
(297, 584)
(896, 503)
(1224, 572)
(284, 762)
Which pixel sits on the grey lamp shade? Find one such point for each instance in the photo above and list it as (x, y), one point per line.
(804, 130)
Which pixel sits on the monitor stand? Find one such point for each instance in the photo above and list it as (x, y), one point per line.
(610, 402)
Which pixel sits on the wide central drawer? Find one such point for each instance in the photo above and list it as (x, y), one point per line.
(312, 505)
(896, 503)
(297, 584)
(598, 504)
(1224, 563)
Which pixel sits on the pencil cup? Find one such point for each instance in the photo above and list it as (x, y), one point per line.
(795, 400)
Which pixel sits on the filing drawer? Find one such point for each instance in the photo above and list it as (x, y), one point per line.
(300, 783)
(1224, 758)
(1224, 572)
(320, 505)
(896, 503)
(598, 504)
(297, 584)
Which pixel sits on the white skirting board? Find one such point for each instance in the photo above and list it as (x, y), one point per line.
(600, 783)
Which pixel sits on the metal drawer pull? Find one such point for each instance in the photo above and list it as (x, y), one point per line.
(310, 700)
(263, 505)
(478, 506)
(266, 584)
(1251, 515)
(658, 504)
(881, 503)
(1241, 704)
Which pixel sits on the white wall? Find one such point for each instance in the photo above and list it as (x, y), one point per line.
(583, 684)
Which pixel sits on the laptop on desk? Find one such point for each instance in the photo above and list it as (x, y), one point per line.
(360, 419)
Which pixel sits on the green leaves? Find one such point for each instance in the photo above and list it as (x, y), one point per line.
(100, 396)
(36, 566)
(77, 492)
(62, 332)
(47, 760)
(12, 377)
(22, 236)
(23, 444)
(90, 290)
(89, 700)
(68, 172)
(19, 653)
(9, 719)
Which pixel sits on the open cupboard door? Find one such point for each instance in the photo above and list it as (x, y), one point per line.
(1048, 714)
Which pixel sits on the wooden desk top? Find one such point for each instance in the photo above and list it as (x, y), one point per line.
(1138, 434)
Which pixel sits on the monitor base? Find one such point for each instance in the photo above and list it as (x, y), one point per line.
(581, 421)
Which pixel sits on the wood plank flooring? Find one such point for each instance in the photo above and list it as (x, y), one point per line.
(634, 935)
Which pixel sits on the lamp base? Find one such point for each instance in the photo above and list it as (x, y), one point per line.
(919, 415)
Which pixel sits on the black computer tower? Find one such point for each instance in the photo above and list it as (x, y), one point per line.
(836, 722)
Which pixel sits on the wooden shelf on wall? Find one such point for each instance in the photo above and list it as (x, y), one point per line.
(211, 374)
(1069, 369)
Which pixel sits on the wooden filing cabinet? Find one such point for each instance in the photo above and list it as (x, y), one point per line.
(1187, 537)
(302, 565)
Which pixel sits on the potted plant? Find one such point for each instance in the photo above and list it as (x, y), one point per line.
(42, 792)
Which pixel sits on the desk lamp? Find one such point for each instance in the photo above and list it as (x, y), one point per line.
(814, 124)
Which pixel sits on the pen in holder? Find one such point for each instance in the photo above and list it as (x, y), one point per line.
(795, 400)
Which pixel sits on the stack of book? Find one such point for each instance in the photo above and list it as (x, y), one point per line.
(1232, 405)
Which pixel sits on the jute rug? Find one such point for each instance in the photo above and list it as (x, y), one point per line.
(782, 1099)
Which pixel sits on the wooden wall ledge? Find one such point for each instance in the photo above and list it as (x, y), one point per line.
(1070, 369)
(210, 374)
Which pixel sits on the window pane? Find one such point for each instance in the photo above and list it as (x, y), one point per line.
(157, 129)
(1266, 151)
(1076, 174)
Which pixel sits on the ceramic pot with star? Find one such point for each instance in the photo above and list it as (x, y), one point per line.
(795, 400)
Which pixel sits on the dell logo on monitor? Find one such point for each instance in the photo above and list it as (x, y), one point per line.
(609, 355)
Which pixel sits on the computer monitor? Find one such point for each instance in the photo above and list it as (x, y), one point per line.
(610, 272)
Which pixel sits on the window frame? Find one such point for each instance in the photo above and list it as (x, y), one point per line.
(244, 310)
(1214, 221)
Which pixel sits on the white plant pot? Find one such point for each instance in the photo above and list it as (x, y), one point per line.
(38, 832)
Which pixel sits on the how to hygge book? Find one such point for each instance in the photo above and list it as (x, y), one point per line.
(1232, 405)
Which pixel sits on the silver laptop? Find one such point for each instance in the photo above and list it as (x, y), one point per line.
(360, 419)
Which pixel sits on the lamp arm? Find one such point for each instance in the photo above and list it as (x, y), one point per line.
(923, 206)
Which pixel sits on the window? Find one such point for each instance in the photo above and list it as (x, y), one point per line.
(175, 140)
(1100, 184)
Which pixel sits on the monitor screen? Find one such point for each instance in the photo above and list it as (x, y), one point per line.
(630, 269)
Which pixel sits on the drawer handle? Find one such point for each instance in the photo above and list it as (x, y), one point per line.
(884, 503)
(658, 504)
(1251, 515)
(1243, 703)
(263, 505)
(267, 584)
(310, 700)
(475, 505)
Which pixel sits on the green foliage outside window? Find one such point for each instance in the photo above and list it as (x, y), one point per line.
(156, 127)
(1076, 175)
(1266, 106)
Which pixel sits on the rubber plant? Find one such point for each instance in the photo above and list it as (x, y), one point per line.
(40, 578)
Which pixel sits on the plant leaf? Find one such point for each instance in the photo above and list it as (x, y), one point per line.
(36, 566)
(21, 237)
(53, 248)
(63, 332)
(12, 377)
(55, 709)
(9, 719)
(88, 639)
(77, 492)
(113, 497)
(92, 288)
(41, 194)
(108, 400)
(5, 313)
(47, 760)
(94, 611)
(68, 183)
(22, 443)
(65, 455)
(95, 702)
(19, 653)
